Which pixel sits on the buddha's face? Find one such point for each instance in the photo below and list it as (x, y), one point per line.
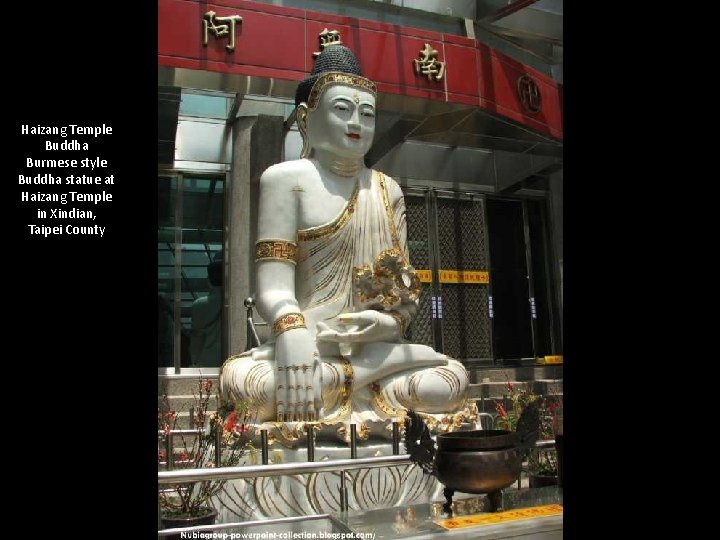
(343, 122)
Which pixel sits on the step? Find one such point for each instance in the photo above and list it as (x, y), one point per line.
(188, 384)
(183, 384)
(487, 405)
(504, 374)
(499, 389)
(488, 384)
(180, 402)
(183, 419)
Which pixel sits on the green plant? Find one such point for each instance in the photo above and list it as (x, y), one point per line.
(541, 461)
(230, 425)
(519, 397)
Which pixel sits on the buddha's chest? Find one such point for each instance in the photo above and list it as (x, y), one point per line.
(317, 206)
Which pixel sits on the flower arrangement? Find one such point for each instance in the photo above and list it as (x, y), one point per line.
(229, 427)
(540, 461)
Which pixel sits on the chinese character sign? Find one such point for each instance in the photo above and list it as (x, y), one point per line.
(326, 38)
(220, 30)
(429, 65)
(529, 93)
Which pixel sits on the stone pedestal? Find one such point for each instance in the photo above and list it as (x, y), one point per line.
(319, 493)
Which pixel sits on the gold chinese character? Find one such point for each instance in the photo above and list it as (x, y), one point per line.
(220, 30)
(429, 65)
(327, 38)
(529, 93)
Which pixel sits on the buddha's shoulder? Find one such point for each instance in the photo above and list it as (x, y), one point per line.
(288, 171)
(389, 180)
(393, 188)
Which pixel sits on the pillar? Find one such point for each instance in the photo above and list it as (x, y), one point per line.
(257, 144)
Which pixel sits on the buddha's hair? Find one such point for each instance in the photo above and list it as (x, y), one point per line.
(333, 58)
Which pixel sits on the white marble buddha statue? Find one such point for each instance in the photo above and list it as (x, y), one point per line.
(333, 275)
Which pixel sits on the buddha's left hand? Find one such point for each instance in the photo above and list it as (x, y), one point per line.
(362, 327)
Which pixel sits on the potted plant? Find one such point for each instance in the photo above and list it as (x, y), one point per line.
(542, 464)
(184, 505)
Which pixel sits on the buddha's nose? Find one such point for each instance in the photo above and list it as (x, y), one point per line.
(354, 125)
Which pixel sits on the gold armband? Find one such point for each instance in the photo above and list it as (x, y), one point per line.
(288, 322)
(400, 319)
(277, 250)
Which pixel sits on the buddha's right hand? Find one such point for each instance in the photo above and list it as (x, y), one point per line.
(299, 384)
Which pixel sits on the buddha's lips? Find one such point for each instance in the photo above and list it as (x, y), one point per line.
(353, 135)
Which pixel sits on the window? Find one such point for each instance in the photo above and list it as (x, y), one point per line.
(190, 270)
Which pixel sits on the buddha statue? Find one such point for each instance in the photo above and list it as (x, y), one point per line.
(333, 275)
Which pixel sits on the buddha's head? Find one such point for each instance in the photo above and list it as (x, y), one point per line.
(336, 106)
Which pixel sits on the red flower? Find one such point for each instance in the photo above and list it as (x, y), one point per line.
(197, 450)
(501, 410)
(243, 428)
(510, 386)
(231, 421)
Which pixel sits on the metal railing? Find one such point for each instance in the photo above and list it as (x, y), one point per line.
(280, 469)
(252, 336)
(171, 477)
(172, 433)
(285, 469)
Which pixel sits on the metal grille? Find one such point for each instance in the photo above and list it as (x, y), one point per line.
(420, 330)
(461, 234)
(461, 243)
(417, 232)
(465, 323)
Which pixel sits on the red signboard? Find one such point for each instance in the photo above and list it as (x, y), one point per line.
(278, 42)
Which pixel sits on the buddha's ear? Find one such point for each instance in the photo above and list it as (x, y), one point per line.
(301, 116)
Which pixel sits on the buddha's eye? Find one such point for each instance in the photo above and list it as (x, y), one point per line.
(341, 106)
(368, 112)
